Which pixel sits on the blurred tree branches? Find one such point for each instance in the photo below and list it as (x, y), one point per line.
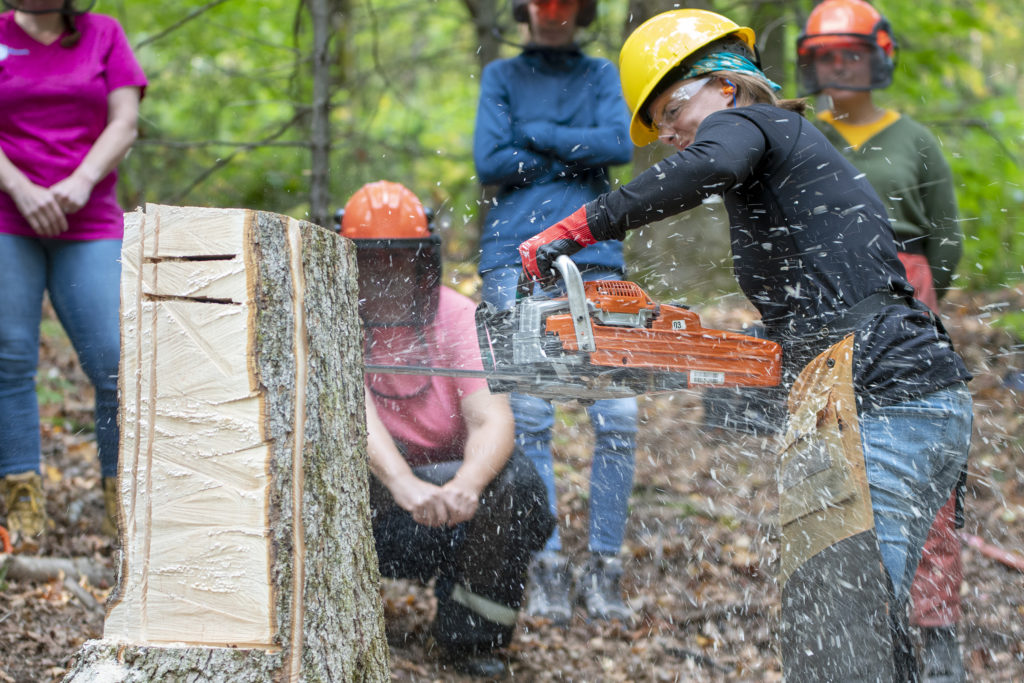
(228, 116)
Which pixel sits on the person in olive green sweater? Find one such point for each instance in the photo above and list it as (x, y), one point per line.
(904, 163)
(845, 52)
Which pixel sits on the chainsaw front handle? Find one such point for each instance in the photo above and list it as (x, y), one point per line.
(577, 303)
(578, 309)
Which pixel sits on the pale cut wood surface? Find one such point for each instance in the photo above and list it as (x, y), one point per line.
(197, 553)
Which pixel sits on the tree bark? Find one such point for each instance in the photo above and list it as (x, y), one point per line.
(485, 19)
(247, 552)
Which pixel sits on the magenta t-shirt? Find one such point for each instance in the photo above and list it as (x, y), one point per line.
(53, 107)
(423, 413)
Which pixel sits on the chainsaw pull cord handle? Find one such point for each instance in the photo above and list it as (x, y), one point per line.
(524, 287)
(526, 283)
(577, 303)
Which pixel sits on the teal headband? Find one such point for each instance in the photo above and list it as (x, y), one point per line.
(727, 61)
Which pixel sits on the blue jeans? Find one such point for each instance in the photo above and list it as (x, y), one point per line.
(614, 423)
(914, 452)
(83, 279)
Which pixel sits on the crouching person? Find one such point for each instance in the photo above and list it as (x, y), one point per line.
(448, 498)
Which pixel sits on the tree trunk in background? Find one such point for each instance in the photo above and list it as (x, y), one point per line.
(320, 12)
(485, 19)
(769, 23)
(244, 513)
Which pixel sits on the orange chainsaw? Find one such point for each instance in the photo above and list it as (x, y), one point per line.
(606, 339)
(609, 339)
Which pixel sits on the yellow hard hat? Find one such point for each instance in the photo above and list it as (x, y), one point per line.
(658, 46)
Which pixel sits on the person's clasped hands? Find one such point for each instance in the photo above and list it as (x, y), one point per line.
(46, 209)
(42, 208)
(436, 506)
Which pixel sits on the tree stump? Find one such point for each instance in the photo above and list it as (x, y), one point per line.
(246, 551)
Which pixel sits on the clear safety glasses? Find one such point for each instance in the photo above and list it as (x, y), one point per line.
(676, 103)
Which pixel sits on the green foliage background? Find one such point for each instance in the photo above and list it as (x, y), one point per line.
(225, 118)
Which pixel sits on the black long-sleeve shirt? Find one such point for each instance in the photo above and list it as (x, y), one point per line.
(810, 239)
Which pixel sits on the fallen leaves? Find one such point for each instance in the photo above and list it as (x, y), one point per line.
(700, 550)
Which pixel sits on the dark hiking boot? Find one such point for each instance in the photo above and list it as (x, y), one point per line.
(940, 656)
(485, 666)
(598, 588)
(550, 584)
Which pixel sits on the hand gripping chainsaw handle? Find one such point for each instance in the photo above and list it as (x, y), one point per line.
(578, 307)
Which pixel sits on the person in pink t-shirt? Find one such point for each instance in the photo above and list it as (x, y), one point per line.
(449, 497)
(69, 99)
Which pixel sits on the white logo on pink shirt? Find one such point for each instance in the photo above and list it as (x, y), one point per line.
(6, 52)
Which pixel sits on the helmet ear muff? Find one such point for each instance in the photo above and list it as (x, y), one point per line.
(587, 13)
(883, 36)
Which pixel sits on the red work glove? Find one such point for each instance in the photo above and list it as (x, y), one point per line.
(567, 236)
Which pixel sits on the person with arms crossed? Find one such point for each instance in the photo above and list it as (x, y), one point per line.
(549, 123)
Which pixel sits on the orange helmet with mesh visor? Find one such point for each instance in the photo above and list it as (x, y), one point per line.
(398, 254)
(835, 25)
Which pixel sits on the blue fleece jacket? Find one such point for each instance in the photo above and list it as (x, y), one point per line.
(548, 125)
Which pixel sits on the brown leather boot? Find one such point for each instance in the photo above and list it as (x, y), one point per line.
(26, 509)
(109, 524)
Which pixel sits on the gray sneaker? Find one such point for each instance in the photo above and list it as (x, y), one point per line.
(549, 589)
(940, 656)
(599, 590)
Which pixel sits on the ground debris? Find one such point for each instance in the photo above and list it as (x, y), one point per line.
(701, 549)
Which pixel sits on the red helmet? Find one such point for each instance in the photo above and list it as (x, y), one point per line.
(837, 24)
(584, 17)
(398, 254)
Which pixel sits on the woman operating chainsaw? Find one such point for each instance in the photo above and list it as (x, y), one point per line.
(866, 364)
